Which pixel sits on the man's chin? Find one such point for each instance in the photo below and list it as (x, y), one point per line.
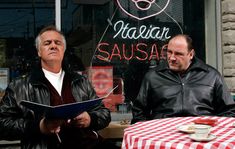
(175, 69)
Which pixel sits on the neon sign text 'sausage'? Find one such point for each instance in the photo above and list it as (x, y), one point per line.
(144, 32)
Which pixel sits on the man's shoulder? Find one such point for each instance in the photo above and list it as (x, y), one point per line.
(20, 81)
(199, 64)
(22, 78)
(151, 73)
(75, 75)
(208, 69)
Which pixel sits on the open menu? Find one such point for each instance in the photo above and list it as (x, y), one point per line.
(65, 111)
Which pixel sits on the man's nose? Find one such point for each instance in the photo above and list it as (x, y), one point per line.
(172, 57)
(53, 45)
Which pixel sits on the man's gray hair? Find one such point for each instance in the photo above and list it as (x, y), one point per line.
(48, 28)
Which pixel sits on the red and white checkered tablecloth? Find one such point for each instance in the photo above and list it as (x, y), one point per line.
(163, 134)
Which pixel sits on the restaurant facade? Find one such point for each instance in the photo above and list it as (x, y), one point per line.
(115, 42)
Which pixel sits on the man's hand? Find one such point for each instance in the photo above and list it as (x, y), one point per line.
(82, 121)
(50, 126)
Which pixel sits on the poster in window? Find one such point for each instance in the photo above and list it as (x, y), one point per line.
(102, 79)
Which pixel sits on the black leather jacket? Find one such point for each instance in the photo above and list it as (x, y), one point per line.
(19, 123)
(200, 91)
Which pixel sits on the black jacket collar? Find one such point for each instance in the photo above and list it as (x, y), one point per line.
(37, 76)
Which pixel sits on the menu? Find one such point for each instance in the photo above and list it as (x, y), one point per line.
(65, 111)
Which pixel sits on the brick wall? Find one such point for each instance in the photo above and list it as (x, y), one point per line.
(228, 42)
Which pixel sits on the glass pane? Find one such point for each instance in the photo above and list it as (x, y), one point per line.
(119, 41)
(20, 23)
(114, 43)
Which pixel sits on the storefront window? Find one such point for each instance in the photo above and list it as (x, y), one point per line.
(119, 41)
(113, 42)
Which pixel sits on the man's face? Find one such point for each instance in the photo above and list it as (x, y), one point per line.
(179, 58)
(51, 47)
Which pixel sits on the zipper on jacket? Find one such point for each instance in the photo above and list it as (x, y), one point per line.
(182, 92)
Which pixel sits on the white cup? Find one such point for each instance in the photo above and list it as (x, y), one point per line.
(202, 131)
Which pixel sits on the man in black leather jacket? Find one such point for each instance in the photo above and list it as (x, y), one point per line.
(182, 85)
(50, 84)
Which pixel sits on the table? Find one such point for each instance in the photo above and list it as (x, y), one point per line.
(163, 134)
(114, 131)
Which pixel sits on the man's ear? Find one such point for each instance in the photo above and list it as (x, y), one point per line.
(192, 53)
(39, 53)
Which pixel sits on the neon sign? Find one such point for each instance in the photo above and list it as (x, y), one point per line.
(143, 5)
(122, 52)
(143, 34)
